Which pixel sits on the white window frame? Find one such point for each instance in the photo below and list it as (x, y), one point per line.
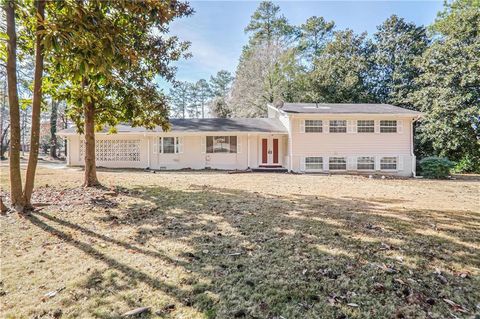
(388, 126)
(159, 145)
(336, 158)
(389, 158)
(229, 142)
(319, 162)
(371, 160)
(359, 126)
(315, 125)
(334, 126)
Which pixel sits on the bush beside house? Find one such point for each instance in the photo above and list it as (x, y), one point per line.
(436, 167)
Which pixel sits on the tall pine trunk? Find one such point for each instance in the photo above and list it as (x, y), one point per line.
(53, 130)
(14, 152)
(36, 108)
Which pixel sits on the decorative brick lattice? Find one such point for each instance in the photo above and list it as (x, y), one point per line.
(114, 150)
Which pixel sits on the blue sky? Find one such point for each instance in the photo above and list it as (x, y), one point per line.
(217, 36)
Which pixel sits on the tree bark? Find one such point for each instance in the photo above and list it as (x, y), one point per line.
(14, 152)
(53, 130)
(90, 165)
(36, 108)
(3, 208)
(90, 179)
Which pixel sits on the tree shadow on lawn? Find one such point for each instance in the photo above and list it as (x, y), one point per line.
(269, 256)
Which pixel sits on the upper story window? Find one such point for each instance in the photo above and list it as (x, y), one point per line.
(388, 163)
(337, 163)
(167, 145)
(365, 126)
(313, 126)
(313, 163)
(388, 126)
(221, 144)
(338, 126)
(365, 163)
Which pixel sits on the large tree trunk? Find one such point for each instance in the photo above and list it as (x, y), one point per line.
(36, 108)
(53, 130)
(14, 153)
(90, 165)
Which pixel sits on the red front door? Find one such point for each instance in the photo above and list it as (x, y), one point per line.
(264, 151)
(275, 151)
(270, 151)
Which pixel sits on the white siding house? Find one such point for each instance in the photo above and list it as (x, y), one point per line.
(298, 137)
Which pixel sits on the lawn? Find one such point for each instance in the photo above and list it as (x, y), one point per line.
(218, 245)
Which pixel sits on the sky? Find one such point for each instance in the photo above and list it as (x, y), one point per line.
(216, 30)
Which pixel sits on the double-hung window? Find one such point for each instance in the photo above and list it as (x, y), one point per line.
(337, 163)
(313, 126)
(388, 163)
(313, 163)
(168, 145)
(221, 144)
(365, 126)
(365, 163)
(338, 126)
(388, 126)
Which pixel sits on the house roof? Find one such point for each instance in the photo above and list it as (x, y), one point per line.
(345, 108)
(265, 125)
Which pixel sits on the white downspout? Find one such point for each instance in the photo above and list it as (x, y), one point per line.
(290, 148)
(412, 154)
(67, 148)
(248, 150)
(148, 150)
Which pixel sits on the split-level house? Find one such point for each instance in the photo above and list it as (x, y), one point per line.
(296, 137)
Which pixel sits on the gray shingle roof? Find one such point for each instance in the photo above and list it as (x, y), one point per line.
(345, 108)
(265, 125)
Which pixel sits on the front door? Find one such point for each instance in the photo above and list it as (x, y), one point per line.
(270, 151)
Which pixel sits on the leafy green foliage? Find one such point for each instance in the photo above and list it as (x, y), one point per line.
(448, 91)
(314, 35)
(397, 44)
(436, 167)
(268, 25)
(109, 53)
(179, 98)
(468, 164)
(341, 72)
(221, 82)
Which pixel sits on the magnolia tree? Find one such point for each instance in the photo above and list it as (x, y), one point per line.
(104, 58)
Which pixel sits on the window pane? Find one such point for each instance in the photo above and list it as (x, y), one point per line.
(365, 126)
(337, 163)
(388, 163)
(388, 126)
(209, 144)
(313, 126)
(314, 163)
(367, 163)
(338, 126)
(168, 145)
(233, 144)
(221, 144)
